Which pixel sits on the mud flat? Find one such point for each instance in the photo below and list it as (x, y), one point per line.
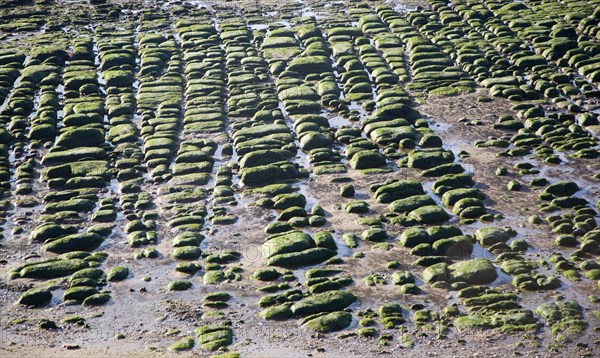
(299, 178)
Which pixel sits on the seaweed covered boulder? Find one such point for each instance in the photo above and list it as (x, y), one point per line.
(428, 214)
(397, 189)
(267, 174)
(299, 93)
(286, 243)
(313, 139)
(76, 242)
(429, 158)
(292, 249)
(374, 234)
(469, 208)
(328, 322)
(452, 181)
(491, 307)
(276, 313)
(259, 131)
(263, 157)
(562, 188)
(52, 268)
(81, 137)
(184, 344)
(47, 231)
(310, 64)
(418, 235)
(35, 297)
(284, 201)
(566, 317)
(365, 159)
(328, 301)
(451, 197)
(476, 271)
(214, 336)
(491, 235)
(117, 273)
(414, 236)
(436, 273)
(387, 135)
(75, 154)
(186, 253)
(302, 258)
(87, 169)
(411, 203)
(79, 293)
(456, 246)
(391, 314)
(507, 315)
(397, 110)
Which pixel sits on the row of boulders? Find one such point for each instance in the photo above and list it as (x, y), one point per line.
(432, 70)
(84, 285)
(77, 165)
(159, 101)
(266, 148)
(560, 131)
(193, 163)
(76, 169)
(11, 64)
(26, 103)
(398, 126)
(281, 48)
(557, 35)
(321, 309)
(357, 86)
(484, 61)
(377, 66)
(265, 145)
(302, 94)
(117, 61)
(490, 307)
(29, 116)
(576, 221)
